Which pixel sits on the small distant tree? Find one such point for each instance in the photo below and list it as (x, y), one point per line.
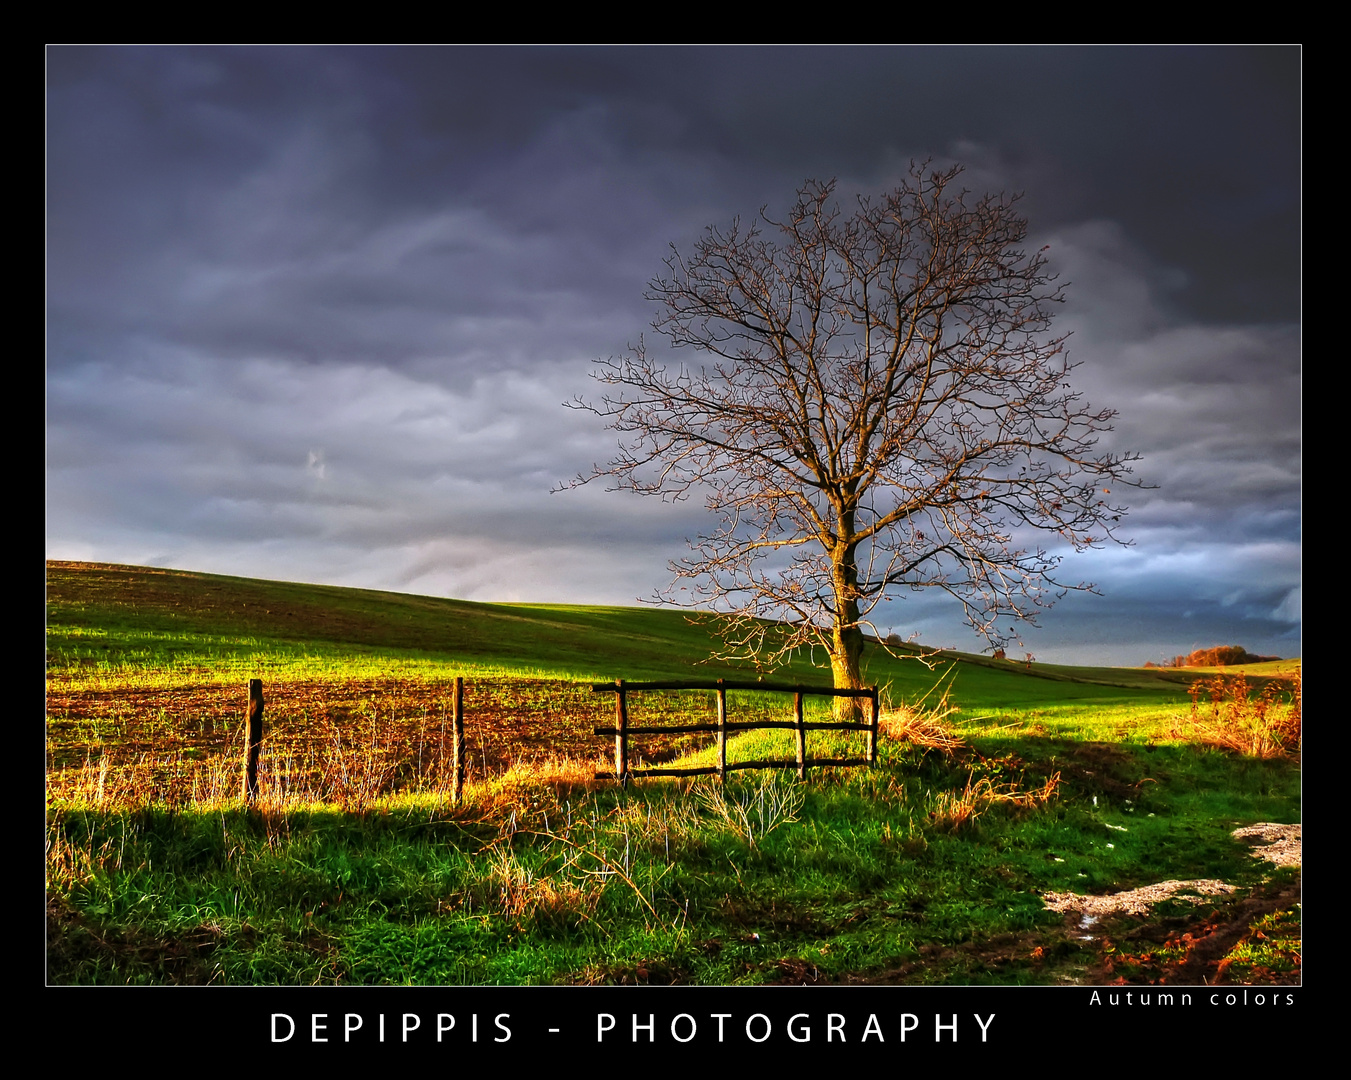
(878, 406)
(1222, 656)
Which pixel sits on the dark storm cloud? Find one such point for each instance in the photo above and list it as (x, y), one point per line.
(311, 312)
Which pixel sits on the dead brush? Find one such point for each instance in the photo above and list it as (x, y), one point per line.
(530, 895)
(922, 727)
(1226, 713)
(752, 811)
(955, 810)
(163, 780)
(353, 771)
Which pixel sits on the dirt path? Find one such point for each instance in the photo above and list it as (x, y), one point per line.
(1116, 938)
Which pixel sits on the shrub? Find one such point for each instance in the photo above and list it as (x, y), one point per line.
(1222, 656)
(1227, 713)
(1217, 656)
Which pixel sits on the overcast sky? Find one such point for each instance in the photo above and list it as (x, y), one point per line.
(312, 313)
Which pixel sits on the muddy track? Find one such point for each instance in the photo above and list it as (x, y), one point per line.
(1119, 938)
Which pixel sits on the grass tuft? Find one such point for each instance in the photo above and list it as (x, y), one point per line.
(752, 810)
(954, 810)
(1229, 712)
(925, 727)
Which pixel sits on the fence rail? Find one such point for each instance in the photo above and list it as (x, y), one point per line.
(622, 730)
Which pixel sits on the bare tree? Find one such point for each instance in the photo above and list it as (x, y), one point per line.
(880, 407)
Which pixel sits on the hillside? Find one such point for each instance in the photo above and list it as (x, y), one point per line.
(103, 617)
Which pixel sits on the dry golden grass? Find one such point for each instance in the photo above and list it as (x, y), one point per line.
(171, 780)
(523, 893)
(1227, 712)
(755, 809)
(923, 727)
(952, 810)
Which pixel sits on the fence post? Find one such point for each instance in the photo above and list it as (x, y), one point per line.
(457, 734)
(621, 735)
(801, 737)
(254, 746)
(873, 728)
(722, 731)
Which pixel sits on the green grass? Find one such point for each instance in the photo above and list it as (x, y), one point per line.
(157, 874)
(108, 623)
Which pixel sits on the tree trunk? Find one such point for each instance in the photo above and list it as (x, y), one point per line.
(846, 652)
(845, 659)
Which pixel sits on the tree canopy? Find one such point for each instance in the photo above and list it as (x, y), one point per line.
(878, 405)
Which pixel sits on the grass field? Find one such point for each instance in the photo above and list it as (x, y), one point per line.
(939, 865)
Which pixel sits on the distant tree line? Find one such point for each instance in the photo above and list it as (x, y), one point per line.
(1219, 656)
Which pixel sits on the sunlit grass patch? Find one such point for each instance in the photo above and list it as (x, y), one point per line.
(752, 809)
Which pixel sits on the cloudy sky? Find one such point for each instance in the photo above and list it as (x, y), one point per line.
(312, 313)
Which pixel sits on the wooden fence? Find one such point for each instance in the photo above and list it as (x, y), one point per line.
(254, 743)
(623, 730)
